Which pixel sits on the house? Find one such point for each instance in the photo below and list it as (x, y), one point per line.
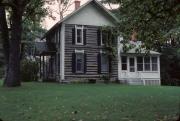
(75, 50)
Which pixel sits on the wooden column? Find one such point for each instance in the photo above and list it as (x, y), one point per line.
(43, 68)
(40, 66)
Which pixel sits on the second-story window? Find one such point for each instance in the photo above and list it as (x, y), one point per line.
(79, 35)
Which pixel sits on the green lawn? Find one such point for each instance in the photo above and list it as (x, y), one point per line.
(89, 102)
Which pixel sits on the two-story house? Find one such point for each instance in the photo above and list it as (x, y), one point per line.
(75, 50)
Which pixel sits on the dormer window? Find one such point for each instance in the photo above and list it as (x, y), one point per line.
(79, 35)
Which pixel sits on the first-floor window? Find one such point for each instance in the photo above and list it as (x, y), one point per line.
(147, 64)
(139, 63)
(104, 63)
(131, 65)
(154, 64)
(79, 62)
(124, 62)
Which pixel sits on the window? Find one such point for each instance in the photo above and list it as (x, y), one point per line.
(154, 64)
(79, 62)
(131, 63)
(124, 62)
(103, 37)
(104, 63)
(139, 63)
(79, 35)
(147, 65)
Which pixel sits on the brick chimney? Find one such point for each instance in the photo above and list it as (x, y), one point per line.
(77, 4)
(134, 36)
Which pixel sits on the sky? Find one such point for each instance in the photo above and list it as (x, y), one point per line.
(49, 22)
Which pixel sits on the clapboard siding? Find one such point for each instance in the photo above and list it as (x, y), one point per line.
(91, 49)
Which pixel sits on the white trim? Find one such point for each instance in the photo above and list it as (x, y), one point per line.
(82, 34)
(101, 34)
(62, 48)
(79, 51)
(119, 39)
(158, 59)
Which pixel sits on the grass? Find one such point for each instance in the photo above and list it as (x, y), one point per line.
(89, 102)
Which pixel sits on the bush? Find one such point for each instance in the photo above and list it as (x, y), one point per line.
(2, 72)
(92, 81)
(29, 70)
(106, 79)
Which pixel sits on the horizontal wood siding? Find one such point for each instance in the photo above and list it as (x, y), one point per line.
(91, 49)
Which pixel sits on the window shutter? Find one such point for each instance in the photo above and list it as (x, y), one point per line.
(73, 35)
(73, 62)
(85, 63)
(99, 63)
(84, 36)
(99, 37)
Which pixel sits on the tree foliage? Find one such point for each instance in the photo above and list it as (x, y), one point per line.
(153, 20)
(22, 14)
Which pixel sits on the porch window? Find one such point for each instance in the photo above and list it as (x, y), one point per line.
(104, 63)
(147, 64)
(79, 62)
(131, 63)
(139, 63)
(124, 62)
(79, 35)
(154, 64)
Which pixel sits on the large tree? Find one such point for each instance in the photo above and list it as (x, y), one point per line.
(153, 20)
(19, 11)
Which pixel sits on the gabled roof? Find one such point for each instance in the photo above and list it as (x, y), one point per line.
(79, 9)
(137, 45)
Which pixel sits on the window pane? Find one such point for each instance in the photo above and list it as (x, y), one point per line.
(139, 63)
(131, 61)
(139, 59)
(154, 67)
(132, 68)
(146, 59)
(124, 59)
(147, 67)
(139, 67)
(79, 62)
(124, 66)
(154, 59)
(79, 36)
(124, 62)
(104, 63)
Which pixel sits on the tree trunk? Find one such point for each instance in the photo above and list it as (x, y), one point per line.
(4, 36)
(13, 75)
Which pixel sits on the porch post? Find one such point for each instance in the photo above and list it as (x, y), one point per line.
(119, 47)
(40, 67)
(159, 70)
(43, 68)
(62, 47)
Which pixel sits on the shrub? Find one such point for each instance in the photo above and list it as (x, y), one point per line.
(29, 70)
(106, 79)
(2, 72)
(92, 81)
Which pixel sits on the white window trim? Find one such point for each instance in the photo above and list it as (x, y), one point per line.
(79, 51)
(102, 44)
(82, 36)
